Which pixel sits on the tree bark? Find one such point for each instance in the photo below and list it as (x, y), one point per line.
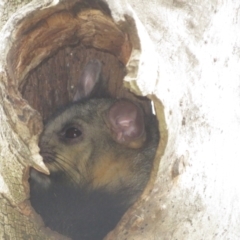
(195, 194)
(20, 127)
(187, 61)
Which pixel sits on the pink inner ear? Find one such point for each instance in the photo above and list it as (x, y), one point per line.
(126, 120)
(88, 79)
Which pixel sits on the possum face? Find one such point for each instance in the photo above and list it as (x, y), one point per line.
(95, 143)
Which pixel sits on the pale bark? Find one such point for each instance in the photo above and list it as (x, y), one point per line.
(188, 57)
(196, 193)
(20, 126)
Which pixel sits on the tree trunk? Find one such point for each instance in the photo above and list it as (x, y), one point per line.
(184, 57)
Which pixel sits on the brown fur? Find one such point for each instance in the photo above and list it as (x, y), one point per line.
(97, 158)
(96, 163)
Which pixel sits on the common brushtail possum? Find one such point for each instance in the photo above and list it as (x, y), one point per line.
(99, 152)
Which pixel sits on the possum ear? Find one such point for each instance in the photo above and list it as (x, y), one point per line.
(126, 121)
(88, 79)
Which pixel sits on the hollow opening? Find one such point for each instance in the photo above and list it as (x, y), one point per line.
(52, 47)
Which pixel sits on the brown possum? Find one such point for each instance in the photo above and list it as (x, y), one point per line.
(99, 152)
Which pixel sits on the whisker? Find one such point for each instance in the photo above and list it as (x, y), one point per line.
(68, 173)
(73, 167)
(65, 165)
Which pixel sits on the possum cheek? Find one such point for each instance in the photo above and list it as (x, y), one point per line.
(110, 174)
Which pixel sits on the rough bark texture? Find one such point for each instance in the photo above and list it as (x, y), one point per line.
(187, 56)
(196, 193)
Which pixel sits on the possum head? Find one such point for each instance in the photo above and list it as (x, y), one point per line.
(95, 143)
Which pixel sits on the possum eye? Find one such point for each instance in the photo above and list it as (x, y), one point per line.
(72, 132)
